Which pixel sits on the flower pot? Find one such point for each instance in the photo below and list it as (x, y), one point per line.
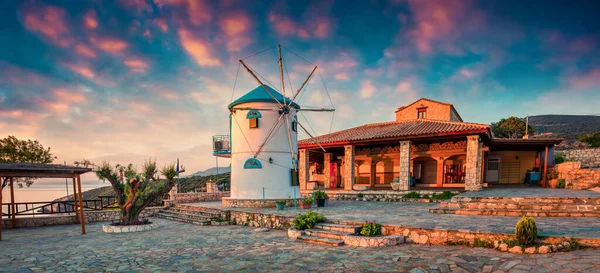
(321, 203)
(305, 206)
(280, 206)
(553, 183)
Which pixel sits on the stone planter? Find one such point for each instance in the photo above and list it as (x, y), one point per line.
(305, 206)
(127, 229)
(375, 241)
(217, 223)
(543, 249)
(294, 233)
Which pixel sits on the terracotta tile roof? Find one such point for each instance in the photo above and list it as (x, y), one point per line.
(397, 129)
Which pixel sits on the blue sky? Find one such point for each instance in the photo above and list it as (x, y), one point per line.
(128, 80)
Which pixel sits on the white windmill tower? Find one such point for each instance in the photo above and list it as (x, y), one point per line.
(263, 143)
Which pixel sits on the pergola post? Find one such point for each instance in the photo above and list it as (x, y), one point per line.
(12, 203)
(546, 168)
(1, 221)
(75, 202)
(81, 216)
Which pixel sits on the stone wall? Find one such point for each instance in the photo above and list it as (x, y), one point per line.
(577, 178)
(255, 203)
(473, 166)
(254, 219)
(589, 158)
(90, 216)
(193, 197)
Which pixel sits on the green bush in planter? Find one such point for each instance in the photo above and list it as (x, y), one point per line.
(526, 230)
(320, 195)
(371, 229)
(308, 220)
(308, 200)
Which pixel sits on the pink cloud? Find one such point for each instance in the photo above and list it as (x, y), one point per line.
(136, 65)
(50, 21)
(319, 27)
(68, 96)
(90, 19)
(85, 51)
(138, 6)
(235, 26)
(342, 76)
(82, 70)
(18, 76)
(110, 45)
(161, 24)
(585, 80)
(442, 22)
(199, 12)
(199, 49)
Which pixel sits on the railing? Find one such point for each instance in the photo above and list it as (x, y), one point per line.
(64, 207)
(221, 144)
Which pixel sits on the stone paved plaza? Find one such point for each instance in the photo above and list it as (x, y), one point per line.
(180, 247)
(417, 215)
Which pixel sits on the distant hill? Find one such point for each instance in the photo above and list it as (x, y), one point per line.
(211, 171)
(567, 126)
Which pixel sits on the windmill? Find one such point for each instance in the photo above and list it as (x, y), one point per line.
(264, 154)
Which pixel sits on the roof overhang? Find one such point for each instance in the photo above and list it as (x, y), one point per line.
(518, 144)
(38, 170)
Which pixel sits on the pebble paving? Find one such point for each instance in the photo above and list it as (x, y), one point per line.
(181, 247)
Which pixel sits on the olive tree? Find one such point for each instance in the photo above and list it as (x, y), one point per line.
(136, 190)
(512, 127)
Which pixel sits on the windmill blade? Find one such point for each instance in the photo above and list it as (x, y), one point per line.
(316, 110)
(281, 73)
(303, 84)
(268, 136)
(252, 108)
(312, 137)
(289, 133)
(260, 82)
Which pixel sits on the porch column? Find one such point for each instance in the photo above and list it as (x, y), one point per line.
(1, 221)
(348, 167)
(473, 166)
(327, 170)
(373, 172)
(303, 166)
(439, 180)
(404, 165)
(13, 207)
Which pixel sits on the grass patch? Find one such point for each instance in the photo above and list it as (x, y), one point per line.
(412, 195)
(483, 243)
(443, 196)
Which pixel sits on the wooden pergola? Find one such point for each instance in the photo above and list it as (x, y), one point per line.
(35, 170)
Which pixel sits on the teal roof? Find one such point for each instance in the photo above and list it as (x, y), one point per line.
(260, 95)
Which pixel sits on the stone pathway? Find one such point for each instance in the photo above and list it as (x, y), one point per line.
(417, 215)
(524, 191)
(181, 247)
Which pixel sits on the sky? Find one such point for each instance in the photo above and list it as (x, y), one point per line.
(130, 80)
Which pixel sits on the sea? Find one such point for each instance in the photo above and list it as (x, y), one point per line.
(48, 190)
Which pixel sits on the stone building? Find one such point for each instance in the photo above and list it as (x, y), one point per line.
(428, 145)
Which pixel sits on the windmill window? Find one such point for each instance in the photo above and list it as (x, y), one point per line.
(294, 126)
(253, 116)
(252, 163)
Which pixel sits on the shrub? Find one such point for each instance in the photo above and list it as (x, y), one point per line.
(561, 183)
(526, 230)
(320, 195)
(308, 220)
(443, 196)
(426, 196)
(360, 195)
(280, 202)
(559, 159)
(482, 243)
(412, 195)
(308, 200)
(371, 229)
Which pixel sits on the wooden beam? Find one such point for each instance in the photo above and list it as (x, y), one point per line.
(81, 215)
(12, 203)
(75, 202)
(546, 168)
(36, 174)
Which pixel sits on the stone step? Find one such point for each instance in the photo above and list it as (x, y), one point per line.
(320, 241)
(520, 206)
(197, 208)
(532, 200)
(339, 227)
(509, 212)
(196, 211)
(189, 215)
(330, 234)
(182, 219)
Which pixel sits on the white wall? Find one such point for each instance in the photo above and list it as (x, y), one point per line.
(275, 178)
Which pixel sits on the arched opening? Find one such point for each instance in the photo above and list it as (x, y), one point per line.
(424, 170)
(454, 169)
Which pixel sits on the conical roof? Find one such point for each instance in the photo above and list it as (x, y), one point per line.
(259, 94)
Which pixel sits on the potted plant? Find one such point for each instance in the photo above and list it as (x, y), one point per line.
(320, 196)
(280, 204)
(307, 203)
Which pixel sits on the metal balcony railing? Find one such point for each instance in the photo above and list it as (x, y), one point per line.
(221, 145)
